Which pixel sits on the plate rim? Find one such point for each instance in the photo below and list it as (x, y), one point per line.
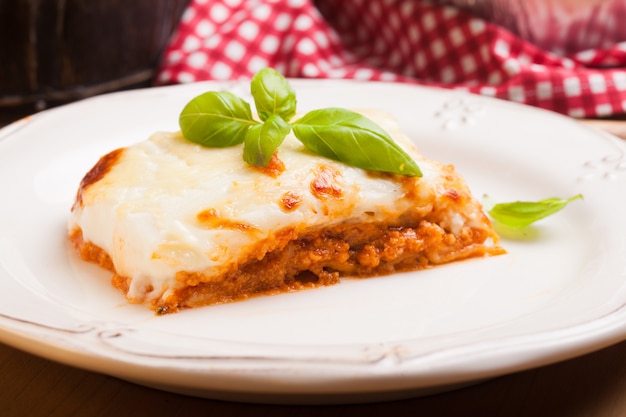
(607, 330)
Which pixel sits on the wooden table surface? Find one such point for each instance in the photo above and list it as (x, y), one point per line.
(593, 385)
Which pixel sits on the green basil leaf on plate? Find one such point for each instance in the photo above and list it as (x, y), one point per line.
(520, 214)
(353, 139)
(216, 119)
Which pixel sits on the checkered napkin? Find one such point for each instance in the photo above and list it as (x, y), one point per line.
(404, 41)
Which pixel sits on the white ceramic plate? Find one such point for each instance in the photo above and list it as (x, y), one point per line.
(559, 292)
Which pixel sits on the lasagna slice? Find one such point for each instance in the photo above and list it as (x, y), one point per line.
(181, 226)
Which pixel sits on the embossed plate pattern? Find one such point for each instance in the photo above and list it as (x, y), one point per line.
(558, 293)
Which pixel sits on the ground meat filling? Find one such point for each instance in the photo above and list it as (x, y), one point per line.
(315, 258)
(321, 257)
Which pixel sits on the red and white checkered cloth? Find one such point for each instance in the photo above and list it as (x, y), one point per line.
(389, 40)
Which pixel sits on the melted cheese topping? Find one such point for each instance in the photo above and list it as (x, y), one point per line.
(167, 205)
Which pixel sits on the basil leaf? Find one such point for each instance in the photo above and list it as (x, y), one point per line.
(273, 95)
(353, 139)
(216, 119)
(521, 214)
(263, 139)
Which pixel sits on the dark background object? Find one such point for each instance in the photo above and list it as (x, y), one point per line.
(56, 51)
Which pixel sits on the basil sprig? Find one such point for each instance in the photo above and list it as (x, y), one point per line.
(219, 119)
(520, 214)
